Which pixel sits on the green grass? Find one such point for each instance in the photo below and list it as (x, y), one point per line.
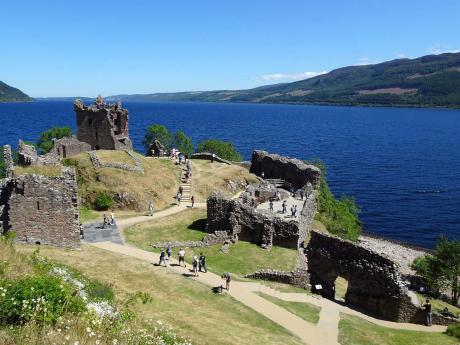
(356, 331)
(438, 304)
(244, 257)
(306, 311)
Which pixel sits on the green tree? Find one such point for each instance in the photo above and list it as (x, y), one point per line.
(340, 216)
(442, 269)
(183, 143)
(157, 132)
(45, 141)
(2, 167)
(225, 150)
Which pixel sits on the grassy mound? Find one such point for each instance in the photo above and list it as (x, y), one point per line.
(210, 177)
(129, 190)
(244, 257)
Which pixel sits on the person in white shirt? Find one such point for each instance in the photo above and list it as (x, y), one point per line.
(182, 257)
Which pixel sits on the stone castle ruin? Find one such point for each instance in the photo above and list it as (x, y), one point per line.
(376, 284)
(103, 127)
(40, 209)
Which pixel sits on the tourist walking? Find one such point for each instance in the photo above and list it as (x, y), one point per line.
(202, 263)
(284, 206)
(105, 222)
(195, 266)
(162, 258)
(169, 251)
(278, 195)
(226, 277)
(151, 208)
(178, 198)
(112, 218)
(82, 234)
(213, 156)
(292, 211)
(271, 205)
(182, 257)
(427, 309)
(192, 199)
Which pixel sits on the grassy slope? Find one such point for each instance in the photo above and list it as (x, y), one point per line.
(306, 311)
(208, 177)
(356, 331)
(159, 182)
(438, 304)
(190, 307)
(244, 257)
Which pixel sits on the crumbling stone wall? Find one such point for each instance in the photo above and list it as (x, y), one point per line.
(293, 171)
(27, 154)
(101, 126)
(69, 146)
(242, 221)
(375, 284)
(42, 210)
(8, 159)
(208, 156)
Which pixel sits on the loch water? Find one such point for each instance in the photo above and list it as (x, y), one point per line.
(402, 165)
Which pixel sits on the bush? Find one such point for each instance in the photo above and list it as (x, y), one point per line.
(37, 298)
(454, 330)
(157, 132)
(103, 202)
(225, 150)
(340, 216)
(183, 143)
(45, 141)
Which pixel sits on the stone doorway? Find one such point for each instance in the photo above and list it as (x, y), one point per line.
(340, 289)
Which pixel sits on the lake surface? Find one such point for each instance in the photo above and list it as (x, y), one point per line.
(402, 165)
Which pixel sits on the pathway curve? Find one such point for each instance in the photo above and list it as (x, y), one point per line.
(325, 332)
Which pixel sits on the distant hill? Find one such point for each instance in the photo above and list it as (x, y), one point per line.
(428, 81)
(11, 94)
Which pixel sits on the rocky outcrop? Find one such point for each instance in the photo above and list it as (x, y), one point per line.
(293, 171)
(103, 126)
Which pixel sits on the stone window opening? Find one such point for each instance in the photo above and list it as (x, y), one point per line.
(340, 289)
(38, 205)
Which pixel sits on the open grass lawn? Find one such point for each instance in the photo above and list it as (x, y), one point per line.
(306, 311)
(208, 177)
(356, 331)
(159, 182)
(244, 257)
(190, 307)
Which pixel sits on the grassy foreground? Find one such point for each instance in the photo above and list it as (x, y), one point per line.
(190, 307)
(306, 311)
(356, 331)
(244, 257)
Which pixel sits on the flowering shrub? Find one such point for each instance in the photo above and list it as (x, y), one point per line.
(38, 298)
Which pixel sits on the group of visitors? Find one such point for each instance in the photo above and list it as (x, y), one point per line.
(108, 221)
(198, 263)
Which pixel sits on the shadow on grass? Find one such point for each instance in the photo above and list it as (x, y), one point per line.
(199, 224)
(217, 289)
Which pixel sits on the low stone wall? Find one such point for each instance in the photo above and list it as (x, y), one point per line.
(69, 146)
(208, 156)
(294, 171)
(296, 278)
(97, 164)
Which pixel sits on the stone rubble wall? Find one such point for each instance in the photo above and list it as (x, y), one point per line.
(295, 278)
(97, 164)
(69, 146)
(42, 210)
(27, 154)
(8, 159)
(293, 171)
(208, 156)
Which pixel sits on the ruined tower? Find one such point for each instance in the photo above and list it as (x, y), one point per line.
(102, 126)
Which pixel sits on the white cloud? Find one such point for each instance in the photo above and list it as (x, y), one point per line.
(401, 56)
(440, 49)
(291, 76)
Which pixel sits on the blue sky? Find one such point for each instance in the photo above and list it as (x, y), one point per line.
(85, 48)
